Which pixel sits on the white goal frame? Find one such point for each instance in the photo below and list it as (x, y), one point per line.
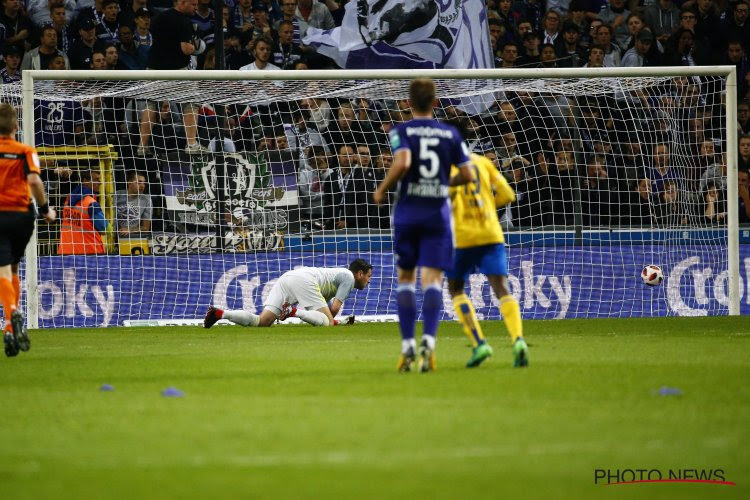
(729, 72)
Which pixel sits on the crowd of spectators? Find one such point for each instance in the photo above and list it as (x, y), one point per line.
(653, 158)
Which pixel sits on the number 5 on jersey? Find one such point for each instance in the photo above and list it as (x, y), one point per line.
(427, 155)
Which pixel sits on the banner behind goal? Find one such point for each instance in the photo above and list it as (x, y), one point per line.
(212, 184)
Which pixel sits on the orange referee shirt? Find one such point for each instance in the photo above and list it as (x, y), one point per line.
(16, 162)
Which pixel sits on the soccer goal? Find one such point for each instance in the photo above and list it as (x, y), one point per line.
(212, 184)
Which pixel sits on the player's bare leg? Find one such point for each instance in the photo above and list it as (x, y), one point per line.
(466, 314)
(148, 118)
(407, 317)
(512, 319)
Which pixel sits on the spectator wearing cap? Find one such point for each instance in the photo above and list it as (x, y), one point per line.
(261, 50)
(130, 9)
(106, 30)
(663, 17)
(637, 56)
(39, 10)
(132, 55)
(568, 50)
(18, 26)
(530, 57)
(615, 14)
(39, 57)
(11, 72)
(80, 50)
(261, 25)
(286, 53)
(142, 34)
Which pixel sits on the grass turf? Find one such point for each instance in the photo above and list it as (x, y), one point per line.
(301, 412)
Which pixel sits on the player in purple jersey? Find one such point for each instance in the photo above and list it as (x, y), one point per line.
(423, 151)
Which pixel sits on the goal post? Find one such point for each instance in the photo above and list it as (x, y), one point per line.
(552, 232)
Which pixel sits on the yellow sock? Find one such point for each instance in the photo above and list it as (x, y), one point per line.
(511, 316)
(468, 318)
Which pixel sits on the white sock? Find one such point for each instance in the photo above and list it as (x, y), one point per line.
(315, 318)
(430, 341)
(406, 344)
(243, 318)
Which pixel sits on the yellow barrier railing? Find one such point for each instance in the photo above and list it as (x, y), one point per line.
(105, 157)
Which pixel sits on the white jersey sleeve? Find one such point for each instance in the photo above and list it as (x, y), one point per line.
(345, 283)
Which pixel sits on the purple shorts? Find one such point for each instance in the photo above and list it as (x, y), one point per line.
(425, 246)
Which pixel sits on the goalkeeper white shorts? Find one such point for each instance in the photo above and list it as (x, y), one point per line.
(301, 290)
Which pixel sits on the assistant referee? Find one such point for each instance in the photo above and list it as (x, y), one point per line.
(19, 180)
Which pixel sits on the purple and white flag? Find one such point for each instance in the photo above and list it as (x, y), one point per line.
(391, 34)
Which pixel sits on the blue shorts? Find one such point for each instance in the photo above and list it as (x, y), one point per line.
(490, 260)
(417, 245)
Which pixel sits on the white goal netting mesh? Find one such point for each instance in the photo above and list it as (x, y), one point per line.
(207, 191)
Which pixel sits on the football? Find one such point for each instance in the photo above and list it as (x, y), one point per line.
(652, 275)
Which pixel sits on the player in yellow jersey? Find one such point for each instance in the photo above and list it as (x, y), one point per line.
(480, 246)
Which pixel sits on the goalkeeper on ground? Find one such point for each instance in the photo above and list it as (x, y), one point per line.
(312, 294)
(480, 246)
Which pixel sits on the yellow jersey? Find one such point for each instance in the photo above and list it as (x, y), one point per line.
(475, 205)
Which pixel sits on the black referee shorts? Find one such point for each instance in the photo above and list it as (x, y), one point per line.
(15, 232)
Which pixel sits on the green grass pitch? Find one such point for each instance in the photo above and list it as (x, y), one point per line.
(302, 412)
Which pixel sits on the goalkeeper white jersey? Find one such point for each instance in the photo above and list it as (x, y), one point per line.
(336, 282)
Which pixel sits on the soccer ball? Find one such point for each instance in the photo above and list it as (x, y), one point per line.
(652, 275)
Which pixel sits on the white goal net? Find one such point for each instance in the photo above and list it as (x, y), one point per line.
(207, 190)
